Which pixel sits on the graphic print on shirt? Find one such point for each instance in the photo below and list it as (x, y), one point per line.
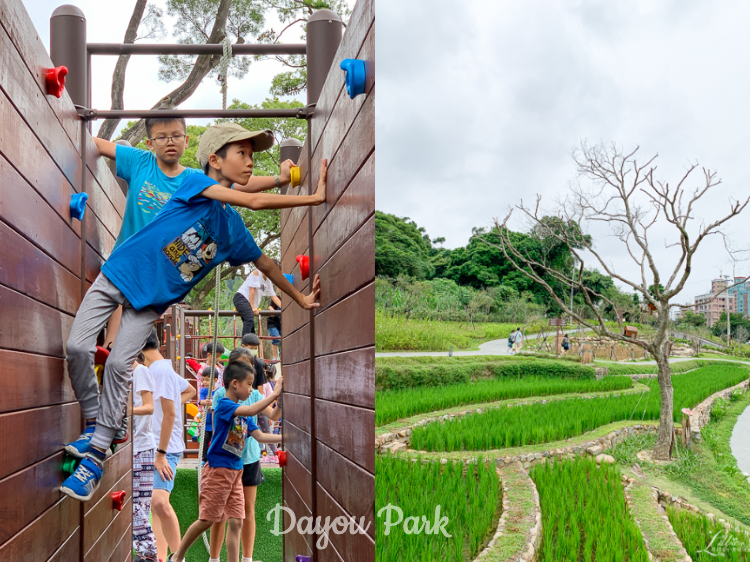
(151, 200)
(235, 441)
(192, 251)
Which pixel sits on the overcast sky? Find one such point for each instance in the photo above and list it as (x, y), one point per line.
(481, 103)
(107, 22)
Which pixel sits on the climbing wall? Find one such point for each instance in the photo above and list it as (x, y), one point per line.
(42, 264)
(329, 398)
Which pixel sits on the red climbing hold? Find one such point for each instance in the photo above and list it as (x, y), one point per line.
(282, 458)
(304, 266)
(118, 500)
(55, 78)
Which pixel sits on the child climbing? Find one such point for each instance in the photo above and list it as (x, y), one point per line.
(154, 175)
(208, 350)
(252, 476)
(274, 327)
(247, 298)
(144, 450)
(195, 231)
(222, 496)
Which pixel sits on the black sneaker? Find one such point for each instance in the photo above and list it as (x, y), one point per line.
(121, 435)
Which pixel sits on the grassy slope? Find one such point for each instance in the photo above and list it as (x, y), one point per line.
(185, 502)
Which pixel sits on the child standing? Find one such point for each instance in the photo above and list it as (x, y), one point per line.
(221, 494)
(208, 350)
(159, 265)
(144, 450)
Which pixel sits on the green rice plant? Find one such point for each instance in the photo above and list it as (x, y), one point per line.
(706, 540)
(584, 514)
(639, 369)
(468, 495)
(737, 393)
(393, 405)
(625, 452)
(392, 377)
(719, 409)
(557, 420)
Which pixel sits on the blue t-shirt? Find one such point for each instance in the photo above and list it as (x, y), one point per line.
(207, 410)
(192, 234)
(230, 432)
(251, 453)
(149, 188)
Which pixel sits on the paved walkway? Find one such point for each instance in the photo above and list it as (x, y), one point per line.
(494, 347)
(740, 443)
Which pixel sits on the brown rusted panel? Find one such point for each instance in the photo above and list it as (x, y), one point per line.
(350, 212)
(353, 547)
(297, 443)
(300, 478)
(296, 346)
(71, 549)
(94, 263)
(294, 542)
(347, 429)
(26, 212)
(46, 537)
(351, 268)
(297, 410)
(289, 233)
(351, 487)
(29, 493)
(62, 424)
(18, 25)
(51, 382)
(297, 378)
(110, 538)
(348, 324)
(350, 155)
(32, 326)
(20, 87)
(102, 514)
(351, 47)
(28, 270)
(114, 468)
(123, 552)
(346, 377)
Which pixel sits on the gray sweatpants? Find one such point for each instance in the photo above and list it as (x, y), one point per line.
(100, 302)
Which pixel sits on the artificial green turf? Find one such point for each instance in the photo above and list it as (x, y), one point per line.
(184, 499)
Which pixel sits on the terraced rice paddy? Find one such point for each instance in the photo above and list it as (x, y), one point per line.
(584, 514)
(557, 420)
(707, 540)
(395, 405)
(468, 496)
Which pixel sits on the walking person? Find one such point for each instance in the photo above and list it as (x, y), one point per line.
(518, 340)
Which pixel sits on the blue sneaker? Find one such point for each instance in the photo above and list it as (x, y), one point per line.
(80, 447)
(82, 484)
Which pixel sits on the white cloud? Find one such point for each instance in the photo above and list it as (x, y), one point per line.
(481, 105)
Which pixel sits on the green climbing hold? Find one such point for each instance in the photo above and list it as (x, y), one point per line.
(69, 465)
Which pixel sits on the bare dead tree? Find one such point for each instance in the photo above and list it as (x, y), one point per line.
(626, 195)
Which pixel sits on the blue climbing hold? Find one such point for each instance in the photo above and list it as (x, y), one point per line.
(289, 277)
(355, 76)
(78, 205)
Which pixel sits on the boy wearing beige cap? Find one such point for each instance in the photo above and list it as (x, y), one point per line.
(159, 265)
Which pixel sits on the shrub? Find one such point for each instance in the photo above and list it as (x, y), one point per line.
(719, 409)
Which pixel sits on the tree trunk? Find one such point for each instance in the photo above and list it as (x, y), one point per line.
(118, 77)
(203, 65)
(665, 436)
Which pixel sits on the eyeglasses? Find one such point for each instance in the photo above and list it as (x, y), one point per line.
(163, 141)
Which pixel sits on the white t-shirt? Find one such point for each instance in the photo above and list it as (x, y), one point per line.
(143, 438)
(168, 385)
(263, 287)
(519, 337)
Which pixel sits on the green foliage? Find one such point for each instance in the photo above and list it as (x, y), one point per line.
(692, 319)
(739, 324)
(719, 409)
(706, 540)
(394, 405)
(401, 248)
(395, 377)
(557, 420)
(584, 514)
(470, 498)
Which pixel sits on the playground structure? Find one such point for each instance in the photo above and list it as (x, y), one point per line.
(49, 164)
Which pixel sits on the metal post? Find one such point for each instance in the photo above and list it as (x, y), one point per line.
(289, 149)
(68, 48)
(324, 29)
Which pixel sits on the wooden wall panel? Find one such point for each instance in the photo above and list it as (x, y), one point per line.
(347, 377)
(40, 292)
(299, 477)
(348, 324)
(297, 442)
(297, 378)
(347, 429)
(357, 547)
(295, 543)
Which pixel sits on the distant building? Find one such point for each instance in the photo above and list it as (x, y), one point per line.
(740, 293)
(719, 300)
